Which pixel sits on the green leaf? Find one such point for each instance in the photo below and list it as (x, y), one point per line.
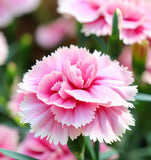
(15, 155)
(100, 41)
(143, 97)
(114, 44)
(97, 150)
(141, 152)
(108, 154)
(77, 147)
(90, 148)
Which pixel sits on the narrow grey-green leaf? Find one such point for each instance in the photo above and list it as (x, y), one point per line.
(108, 154)
(143, 97)
(16, 155)
(90, 148)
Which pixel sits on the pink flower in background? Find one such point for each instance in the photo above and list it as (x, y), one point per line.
(14, 103)
(9, 139)
(6, 16)
(74, 92)
(125, 59)
(52, 34)
(9, 9)
(43, 150)
(3, 49)
(105, 148)
(20, 7)
(97, 17)
(146, 77)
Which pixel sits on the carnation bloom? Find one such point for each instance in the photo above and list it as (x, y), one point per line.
(74, 92)
(97, 17)
(19, 7)
(14, 103)
(125, 59)
(43, 150)
(105, 148)
(52, 34)
(3, 49)
(9, 9)
(8, 140)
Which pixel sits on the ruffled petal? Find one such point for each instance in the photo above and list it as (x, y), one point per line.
(42, 121)
(79, 116)
(109, 124)
(100, 94)
(82, 10)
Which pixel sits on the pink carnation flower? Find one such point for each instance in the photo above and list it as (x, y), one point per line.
(97, 17)
(105, 148)
(8, 140)
(9, 9)
(3, 49)
(15, 102)
(74, 92)
(52, 34)
(19, 7)
(43, 150)
(125, 59)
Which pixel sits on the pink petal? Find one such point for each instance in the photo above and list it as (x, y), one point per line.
(79, 116)
(99, 27)
(4, 49)
(50, 35)
(33, 77)
(19, 7)
(42, 121)
(47, 85)
(84, 11)
(109, 124)
(99, 94)
(73, 74)
(5, 14)
(9, 139)
(115, 72)
(131, 36)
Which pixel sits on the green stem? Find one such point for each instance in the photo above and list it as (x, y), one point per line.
(97, 150)
(77, 147)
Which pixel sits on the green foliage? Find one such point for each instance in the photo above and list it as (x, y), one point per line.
(114, 44)
(15, 155)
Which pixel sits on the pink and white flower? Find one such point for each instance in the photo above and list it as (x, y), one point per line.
(9, 9)
(97, 17)
(74, 92)
(9, 139)
(43, 150)
(20, 7)
(52, 34)
(3, 49)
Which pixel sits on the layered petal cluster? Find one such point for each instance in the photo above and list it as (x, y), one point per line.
(52, 34)
(10, 9)
(3, 49)
(9, 139)
(74, 92)
(43, 150)
(97, 17)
